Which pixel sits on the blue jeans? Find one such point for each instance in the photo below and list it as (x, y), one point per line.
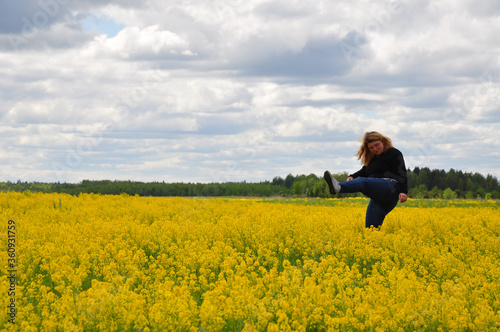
(383, 194)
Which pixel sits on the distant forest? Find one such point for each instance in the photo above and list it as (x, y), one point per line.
(422, 183)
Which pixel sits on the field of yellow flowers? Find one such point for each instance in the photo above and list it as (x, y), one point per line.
(129, 263)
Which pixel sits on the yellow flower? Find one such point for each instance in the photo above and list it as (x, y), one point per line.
(96, 262)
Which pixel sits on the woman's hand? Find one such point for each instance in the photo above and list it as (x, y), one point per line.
(349, 178)
(403, 197)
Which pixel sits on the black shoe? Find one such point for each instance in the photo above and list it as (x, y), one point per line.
(333, 184)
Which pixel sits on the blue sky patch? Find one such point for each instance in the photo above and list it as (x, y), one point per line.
(370, 114)
(102, 24)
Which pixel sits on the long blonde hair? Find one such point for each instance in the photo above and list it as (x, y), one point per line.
(364, 153)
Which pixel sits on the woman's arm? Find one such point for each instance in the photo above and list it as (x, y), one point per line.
(398, 170)
(361, 172)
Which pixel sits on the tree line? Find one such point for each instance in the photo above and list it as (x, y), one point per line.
(422, 183)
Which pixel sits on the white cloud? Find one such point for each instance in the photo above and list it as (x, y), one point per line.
(246, 90)
(149, 42)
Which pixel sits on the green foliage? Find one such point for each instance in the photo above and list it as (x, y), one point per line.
(449, 194)
(452, 184)
(465, 185)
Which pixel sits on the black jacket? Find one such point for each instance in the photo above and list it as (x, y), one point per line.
(389, 164)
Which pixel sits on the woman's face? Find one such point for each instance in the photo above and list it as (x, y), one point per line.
(376, 147)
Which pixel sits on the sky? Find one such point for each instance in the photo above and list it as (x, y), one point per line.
(233, 90)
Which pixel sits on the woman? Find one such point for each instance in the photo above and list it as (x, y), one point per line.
(383, 177)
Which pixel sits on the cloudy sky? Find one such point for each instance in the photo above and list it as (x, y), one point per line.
(233, 90)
